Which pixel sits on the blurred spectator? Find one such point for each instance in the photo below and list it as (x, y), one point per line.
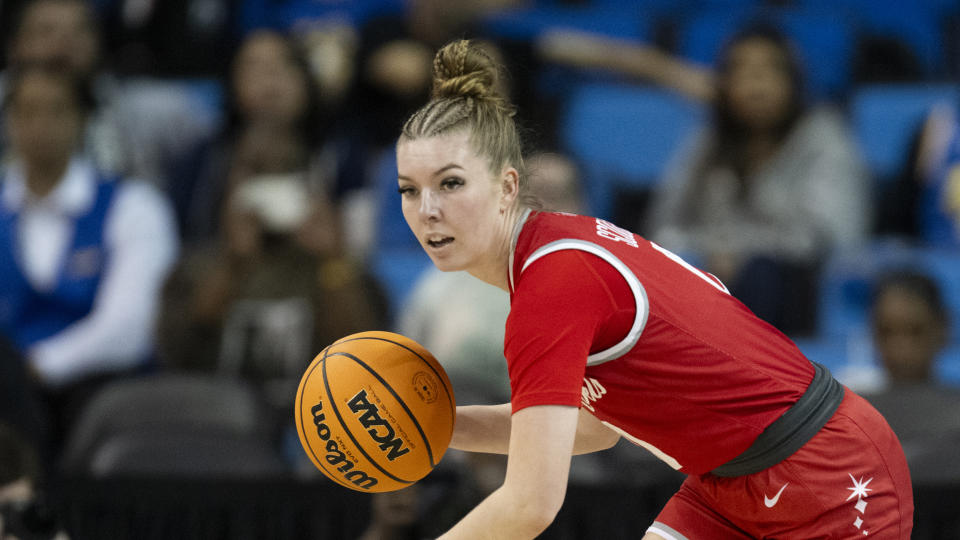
(277, 288)
(83, 254)
(331, 47)
(274, 126)
(910, 327)
(23, 512)
(555, 181)
(766, 192)
(771, 188)
(939, 201)
(916, 205)
(140, 127)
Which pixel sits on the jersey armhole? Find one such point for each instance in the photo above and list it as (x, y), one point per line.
(636, 288)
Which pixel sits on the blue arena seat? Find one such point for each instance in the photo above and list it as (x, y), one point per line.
(398, 271)
(947, 369)
(357, 12)
(624, 135)
(938, 7)
(280, 14)
(628, 22)
(830, 352)
(824, 40)
(208, 94)
(917, 25)
(886, 117)
(392, 231)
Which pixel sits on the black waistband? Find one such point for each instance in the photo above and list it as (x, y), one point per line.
(792, 430)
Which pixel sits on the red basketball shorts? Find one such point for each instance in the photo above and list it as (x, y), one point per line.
(849, 481)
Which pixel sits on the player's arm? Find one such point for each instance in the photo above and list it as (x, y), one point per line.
(541, 442)
(593, 435)
(482, 428)
(486, 428)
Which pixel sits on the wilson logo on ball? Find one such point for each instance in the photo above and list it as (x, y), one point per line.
(371, 420)
(335, 456)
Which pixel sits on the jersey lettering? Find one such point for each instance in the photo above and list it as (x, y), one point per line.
(709, 278)
(591, 391)
(610, 231)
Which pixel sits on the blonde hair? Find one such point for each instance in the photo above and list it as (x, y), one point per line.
(466, 95)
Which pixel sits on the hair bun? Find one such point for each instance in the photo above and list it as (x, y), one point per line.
(463, 69)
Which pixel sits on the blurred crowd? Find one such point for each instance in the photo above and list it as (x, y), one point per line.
(197, 196)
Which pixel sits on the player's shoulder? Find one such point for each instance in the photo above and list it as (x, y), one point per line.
(544, 223)
(543, 228)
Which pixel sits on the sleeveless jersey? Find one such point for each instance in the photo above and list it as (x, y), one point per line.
(682, 368)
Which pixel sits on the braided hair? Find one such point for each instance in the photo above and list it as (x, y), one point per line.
(466, 96)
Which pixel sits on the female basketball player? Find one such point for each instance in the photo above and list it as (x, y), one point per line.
(611, 336)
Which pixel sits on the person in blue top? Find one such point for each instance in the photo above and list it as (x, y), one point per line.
(939, 205)
(83, 255)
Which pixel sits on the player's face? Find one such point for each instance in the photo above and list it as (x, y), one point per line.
(451, 201)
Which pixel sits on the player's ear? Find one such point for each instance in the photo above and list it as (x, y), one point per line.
(509, 187)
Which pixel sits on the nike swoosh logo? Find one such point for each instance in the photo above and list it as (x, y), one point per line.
(770, 503)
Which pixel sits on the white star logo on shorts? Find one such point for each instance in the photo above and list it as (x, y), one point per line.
(859, 488)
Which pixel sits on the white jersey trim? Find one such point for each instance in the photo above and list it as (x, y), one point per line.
(639, 293)
(513, 242)
(665, 531)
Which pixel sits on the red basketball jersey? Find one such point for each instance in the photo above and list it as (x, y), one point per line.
(655, 348)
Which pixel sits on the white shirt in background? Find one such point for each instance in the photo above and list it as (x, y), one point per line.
(140, 235)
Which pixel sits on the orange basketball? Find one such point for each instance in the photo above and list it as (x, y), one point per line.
(375, 411)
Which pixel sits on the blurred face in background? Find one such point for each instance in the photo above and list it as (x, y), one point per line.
(269, 86)
(908, 334)
(60, 32)
(397, 508)
(555, 182)
(756, 81)
(44, 119)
